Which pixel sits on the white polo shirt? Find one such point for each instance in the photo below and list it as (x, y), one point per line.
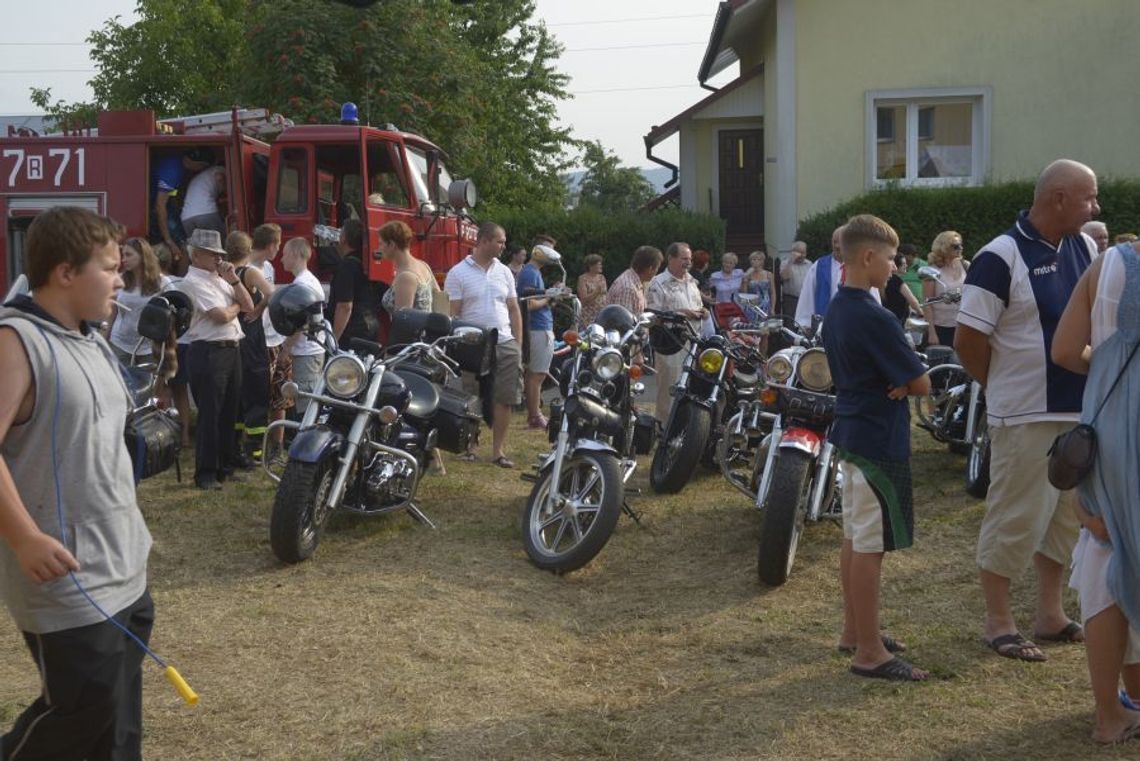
(304, 347)
(208, 291)
(1016, 289)
(484, 293)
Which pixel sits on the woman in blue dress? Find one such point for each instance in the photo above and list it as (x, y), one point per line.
(758, 280)
(1104, 315)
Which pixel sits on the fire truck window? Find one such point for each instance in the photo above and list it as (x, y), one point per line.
(386, 175)
(292, 182)
(420, 174)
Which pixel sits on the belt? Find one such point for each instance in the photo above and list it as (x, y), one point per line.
(219, 344)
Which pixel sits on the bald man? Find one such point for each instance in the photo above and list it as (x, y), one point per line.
(1016, 289)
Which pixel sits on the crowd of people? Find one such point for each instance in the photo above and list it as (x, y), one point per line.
(1048, 322)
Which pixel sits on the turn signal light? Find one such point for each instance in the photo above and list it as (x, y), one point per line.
(769, 396)
(571, 337)
(635, 372)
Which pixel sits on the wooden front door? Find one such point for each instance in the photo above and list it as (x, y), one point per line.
(741, 155)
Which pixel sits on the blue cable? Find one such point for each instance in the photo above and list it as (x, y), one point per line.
(59, 509)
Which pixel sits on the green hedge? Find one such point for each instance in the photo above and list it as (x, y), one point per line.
(979, 213)
(614, 236)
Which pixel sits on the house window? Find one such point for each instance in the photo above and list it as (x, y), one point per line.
(928, 137)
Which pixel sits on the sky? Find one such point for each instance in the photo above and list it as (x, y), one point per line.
(633, 63)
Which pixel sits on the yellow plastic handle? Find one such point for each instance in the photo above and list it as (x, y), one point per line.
(180, 684)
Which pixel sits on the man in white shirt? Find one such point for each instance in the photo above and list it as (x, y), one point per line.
(200, 208)
(266, 244)
(1016, 289)
(306, 356)
(482, 291)
(1098, 231)
(674, 290)
(793, 272)
(213, 361)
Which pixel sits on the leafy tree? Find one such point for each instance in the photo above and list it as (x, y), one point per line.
(609, 186)
(479, 80)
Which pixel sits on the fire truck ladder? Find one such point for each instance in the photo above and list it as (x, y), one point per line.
(250, 121)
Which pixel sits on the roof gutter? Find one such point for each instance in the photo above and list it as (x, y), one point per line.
(671, 167)
(716, 38)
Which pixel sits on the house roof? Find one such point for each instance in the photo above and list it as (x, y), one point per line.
(731, 17)
(657, 134)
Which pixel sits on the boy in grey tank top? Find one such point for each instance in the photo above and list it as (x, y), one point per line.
(69, 522)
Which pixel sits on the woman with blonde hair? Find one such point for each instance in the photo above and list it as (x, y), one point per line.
(946, 257)
(757, 280)
(414, 284)
(592, 289)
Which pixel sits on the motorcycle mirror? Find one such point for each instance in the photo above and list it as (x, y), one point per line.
(928, 273)
(468, 335)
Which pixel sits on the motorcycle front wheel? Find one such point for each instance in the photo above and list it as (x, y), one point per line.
(978, 460)
(300, 509)
(567, 533)
(784, 517)
(680, 448)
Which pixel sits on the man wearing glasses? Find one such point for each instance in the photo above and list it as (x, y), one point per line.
(213, 361)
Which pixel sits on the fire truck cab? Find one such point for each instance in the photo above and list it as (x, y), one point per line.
(308, 179)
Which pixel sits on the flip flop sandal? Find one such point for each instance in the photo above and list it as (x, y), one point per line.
(890, 643)
(1016, 647)
(896, 670)
(502, 462)
(1071, 633)
(1127, 734)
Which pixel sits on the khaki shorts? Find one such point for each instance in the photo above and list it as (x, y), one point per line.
(1025, 514)
(508, 374)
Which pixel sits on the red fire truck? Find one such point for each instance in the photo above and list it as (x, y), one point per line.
(309, 179)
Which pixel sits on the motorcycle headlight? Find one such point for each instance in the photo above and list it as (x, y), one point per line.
(710, 361)
(778, 368)
(344, 376)
(607, 363)
(813, 370)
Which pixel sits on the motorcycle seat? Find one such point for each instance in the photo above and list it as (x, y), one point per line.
(941, 355)
(424, 394)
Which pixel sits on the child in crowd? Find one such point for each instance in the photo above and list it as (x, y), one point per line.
(874, 369)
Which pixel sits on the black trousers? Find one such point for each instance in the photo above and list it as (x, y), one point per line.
(253, 410)
(789, 305)
(91, 704)
(215, 381)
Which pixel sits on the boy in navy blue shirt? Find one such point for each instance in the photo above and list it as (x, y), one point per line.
(875, 369)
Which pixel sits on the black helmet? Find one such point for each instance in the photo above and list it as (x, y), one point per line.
(164, 312)
(616, 317)
(290, 308)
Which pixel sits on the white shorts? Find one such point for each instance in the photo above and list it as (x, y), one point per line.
(541, 351)
(1090, 579)
(868, 523)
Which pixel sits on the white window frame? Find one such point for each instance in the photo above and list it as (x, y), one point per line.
(979, 97)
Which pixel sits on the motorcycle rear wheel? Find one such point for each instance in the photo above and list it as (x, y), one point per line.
(680, 448)
(567, 537)
(978, 460)
(300, 509)
(785, 515)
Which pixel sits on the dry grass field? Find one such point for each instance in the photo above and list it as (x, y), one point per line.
(398, 642)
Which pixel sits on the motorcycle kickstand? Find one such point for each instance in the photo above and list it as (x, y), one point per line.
(417, 514)
(625, 508)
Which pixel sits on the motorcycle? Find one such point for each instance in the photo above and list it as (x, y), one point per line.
(579, 486)
(371, 424)
(153, 433)
(954, 413)
(719, 373)
(795, 475)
